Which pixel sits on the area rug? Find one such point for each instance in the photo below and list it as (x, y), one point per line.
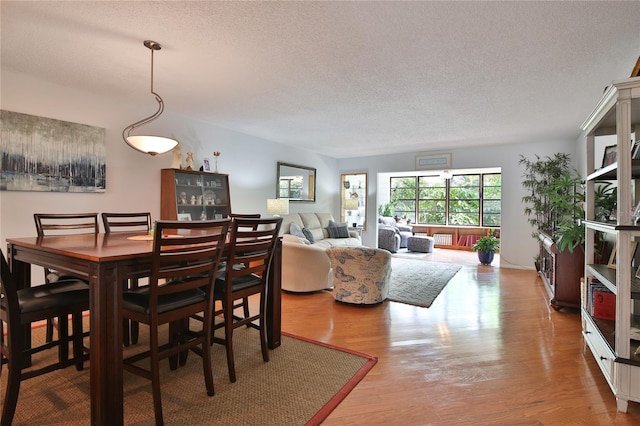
(419, 282)
(301, 384)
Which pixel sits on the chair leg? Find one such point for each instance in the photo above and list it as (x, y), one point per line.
(63, 338)
(78, 346)
(126, 339)
(228, 336)
(155, 375)
(134, 326)
(49, 331)
(206, 354)
(245, 307)
(13, 381)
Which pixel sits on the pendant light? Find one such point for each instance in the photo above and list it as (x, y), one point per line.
(149, 144)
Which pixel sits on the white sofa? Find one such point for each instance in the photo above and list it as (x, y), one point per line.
(305, 265)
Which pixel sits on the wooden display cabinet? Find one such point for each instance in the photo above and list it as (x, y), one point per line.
(194, 195)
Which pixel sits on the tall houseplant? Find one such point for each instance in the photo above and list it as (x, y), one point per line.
(555, 199)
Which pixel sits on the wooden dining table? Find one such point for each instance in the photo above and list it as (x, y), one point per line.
(107, 261)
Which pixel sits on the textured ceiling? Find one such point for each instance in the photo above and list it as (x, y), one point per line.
(342, 78)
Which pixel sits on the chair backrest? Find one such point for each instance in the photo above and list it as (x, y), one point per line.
(65, 223)
(128, 222)
(244, 216)
(187, 255)
(251, 247)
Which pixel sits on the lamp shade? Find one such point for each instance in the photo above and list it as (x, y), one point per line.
(351, 204)
(278, 206)
(151, 144)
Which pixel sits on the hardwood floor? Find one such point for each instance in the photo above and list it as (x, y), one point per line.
(489, 351)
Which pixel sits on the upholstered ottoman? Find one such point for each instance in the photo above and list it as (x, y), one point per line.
(420, 243)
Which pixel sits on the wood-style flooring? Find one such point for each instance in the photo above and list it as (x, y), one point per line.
(489, 351)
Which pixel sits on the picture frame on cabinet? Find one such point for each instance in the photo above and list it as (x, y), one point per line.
(635, 153)
(614, 254)
(636, 214)
(206, 166)
(184, 217)
(610, 154)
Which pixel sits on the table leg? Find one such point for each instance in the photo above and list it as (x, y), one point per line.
(106, 345)
(274, 299)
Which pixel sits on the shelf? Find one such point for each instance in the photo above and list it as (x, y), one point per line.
(604, 274)
(610, 172)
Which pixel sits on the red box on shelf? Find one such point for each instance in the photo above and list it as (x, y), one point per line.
(604, 305)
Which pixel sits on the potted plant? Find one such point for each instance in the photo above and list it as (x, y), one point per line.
(486, 248)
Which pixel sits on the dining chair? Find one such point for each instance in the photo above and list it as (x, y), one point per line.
(128, 222)
(21, 308)
(184, 262)
(249, 257)
(62, 224)
(244, 302)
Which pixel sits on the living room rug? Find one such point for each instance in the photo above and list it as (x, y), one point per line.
(419, 282)
(301, 384)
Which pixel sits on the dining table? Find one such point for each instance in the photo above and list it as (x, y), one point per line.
(107, 261)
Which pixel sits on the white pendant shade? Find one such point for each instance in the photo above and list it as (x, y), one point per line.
(151, 144)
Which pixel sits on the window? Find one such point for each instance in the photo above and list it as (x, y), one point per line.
(469, 199)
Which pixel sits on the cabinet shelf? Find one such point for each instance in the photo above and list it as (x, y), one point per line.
(614, 342)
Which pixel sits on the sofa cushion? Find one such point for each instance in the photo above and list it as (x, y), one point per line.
(308, 235)
(296, 230)
(338, 230)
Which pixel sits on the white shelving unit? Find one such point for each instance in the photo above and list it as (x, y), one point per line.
(617, 113)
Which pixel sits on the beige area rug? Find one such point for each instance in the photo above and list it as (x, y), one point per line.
(301, 384)
(419, 282)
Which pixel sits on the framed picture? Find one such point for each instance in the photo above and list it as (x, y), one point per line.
(438, 161)
(206, 166)
(610, 154)
(614, 254)
(635, 152)
(184, 217)
(636, 214)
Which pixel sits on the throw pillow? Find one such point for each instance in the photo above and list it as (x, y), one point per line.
(338, 230)
(295, 229)
(308, 235)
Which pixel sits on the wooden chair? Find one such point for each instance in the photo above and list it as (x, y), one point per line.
(128, 222)
(60, 224)
(250, 252)
(244, 302)
(20, 308)
(185, 259)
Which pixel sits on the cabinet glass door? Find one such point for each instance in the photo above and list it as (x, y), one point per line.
(353, 200)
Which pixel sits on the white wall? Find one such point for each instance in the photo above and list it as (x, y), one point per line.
(133, 179)
(518, 248)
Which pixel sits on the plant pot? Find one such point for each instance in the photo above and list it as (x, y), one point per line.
(485, 257)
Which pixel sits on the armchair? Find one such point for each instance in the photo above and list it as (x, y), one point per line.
(385, 240)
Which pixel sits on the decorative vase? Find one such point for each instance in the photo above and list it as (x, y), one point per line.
(485, 257)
